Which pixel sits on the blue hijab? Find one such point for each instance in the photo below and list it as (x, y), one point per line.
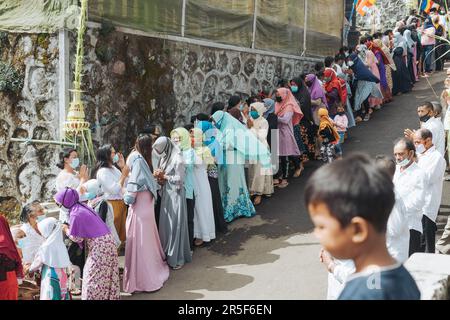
(270, 104)
(209, 139)
(235, 135)
(361, 71)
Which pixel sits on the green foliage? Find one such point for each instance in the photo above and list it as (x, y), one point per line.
(11, 81)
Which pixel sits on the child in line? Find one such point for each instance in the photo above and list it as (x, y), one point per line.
(52, 260)
(350, 213)
(341, 122)
(328, 136)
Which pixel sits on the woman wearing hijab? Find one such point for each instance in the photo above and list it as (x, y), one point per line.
(271, 118)
(206, 133)
(52, 260)
(260, 182)
(328, 136)
(145, 266)
(204, 222)
(11, 272)
(386, 64)
(412, 63)
(289, 115)
(239, 145)
(335, 91)
(101, 271)
(173, 223)
(366, 86)
(401, 76)
(307, 126)
(318, 97)
(372, 63)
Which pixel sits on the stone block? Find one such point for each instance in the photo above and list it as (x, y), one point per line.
(432, 275)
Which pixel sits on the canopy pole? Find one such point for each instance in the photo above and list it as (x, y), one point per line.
(255, 15)
(183, 18)
(305, 27)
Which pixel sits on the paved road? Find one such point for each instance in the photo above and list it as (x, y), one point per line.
(274, 255)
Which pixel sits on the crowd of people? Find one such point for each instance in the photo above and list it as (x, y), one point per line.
(178, 191)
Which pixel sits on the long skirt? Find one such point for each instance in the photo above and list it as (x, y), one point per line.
(9, 289)
(101, 271)
(120, 218)
(173, 225)
(145, 266)
(233, 188)
(204, 227)
(54, 284)
(364, 90)
(300, 139)
(219, 219)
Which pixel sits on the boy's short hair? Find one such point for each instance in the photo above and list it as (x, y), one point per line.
(386, 163)
(353, 187)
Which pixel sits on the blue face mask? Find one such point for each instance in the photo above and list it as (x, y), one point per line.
(241, 107)
(40, 218)
(294, 89)
(116, 158)
(21, 243)
(254, 114)
(75, 163)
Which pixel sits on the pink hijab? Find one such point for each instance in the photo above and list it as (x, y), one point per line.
(288, 104)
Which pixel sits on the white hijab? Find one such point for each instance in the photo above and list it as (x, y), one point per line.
(53, 252)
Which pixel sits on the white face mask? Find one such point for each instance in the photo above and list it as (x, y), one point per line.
(350, 63)
(420, 149)
(403, 163)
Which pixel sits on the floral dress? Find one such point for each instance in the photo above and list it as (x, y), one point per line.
(101, 271)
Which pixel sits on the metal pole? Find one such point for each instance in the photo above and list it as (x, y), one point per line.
(60, 143)
(305, 26)
(183, 18)
(255, 15)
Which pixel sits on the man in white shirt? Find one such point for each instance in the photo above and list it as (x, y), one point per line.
(433, 165)
(409, 181)
(397, 233)
(428, 121)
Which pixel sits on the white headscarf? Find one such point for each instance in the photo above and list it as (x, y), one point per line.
(53, 252)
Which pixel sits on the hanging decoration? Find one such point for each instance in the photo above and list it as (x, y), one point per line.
(76, 128)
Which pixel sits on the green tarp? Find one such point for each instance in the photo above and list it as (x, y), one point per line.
(38, 16)
(279, 23)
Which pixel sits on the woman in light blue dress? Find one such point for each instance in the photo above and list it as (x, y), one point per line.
(239, 145)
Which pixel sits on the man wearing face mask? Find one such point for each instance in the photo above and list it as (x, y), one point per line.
(409, 181)
(433, 166)
(430, 122)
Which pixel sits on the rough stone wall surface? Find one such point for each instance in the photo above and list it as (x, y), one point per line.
(133, 80)
(389, 12)
(27, 171)
(129, 81)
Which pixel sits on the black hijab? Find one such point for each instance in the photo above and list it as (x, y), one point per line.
(304, 98)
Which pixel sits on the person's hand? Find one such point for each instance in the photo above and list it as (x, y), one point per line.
(409, 134)
(327, 260)
(125, 170)
(65, 228)
(249, 123)
(83, 190)
(121, 163)
(84, 174)
(26, 268)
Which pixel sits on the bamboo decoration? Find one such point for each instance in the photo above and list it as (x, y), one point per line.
(76, 128)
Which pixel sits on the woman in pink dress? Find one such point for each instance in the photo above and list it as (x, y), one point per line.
(145, 265)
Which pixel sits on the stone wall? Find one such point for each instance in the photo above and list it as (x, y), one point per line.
(27, 171)
(129, 81)
(387, 15)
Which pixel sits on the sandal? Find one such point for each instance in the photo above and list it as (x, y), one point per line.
(257, 201)
(283, 185)
(198, 242)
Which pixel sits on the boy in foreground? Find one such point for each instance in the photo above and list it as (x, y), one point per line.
(349, 202)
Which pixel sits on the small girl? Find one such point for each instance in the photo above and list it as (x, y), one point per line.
(328, 136)
(341, 122)
(52, 260)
